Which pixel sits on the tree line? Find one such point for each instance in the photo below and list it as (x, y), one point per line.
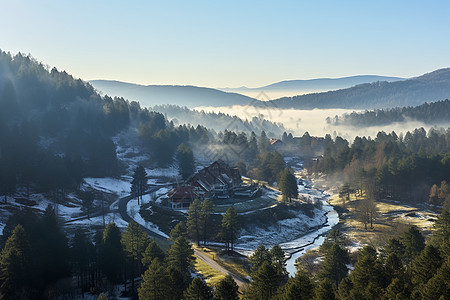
(429, 113)
(406, 267)
(389, 166)
(38, 261)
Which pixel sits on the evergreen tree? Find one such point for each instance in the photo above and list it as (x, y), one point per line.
(393, 246)
(334, 236)
(230, 227)
(438, 287)
(334, 266)
(441, 226)
(288, 185)
(414, 243)
(15, 264)
(7, 180)
(278, 260)
(194, 220)
(181, 256)
(111, 253)
(155, 282)
(324, 290)
(265, 282)
(300, 287)
(367, 276)
(226, 289)
(186, 161)
(206, 213)
(135, 242)
(394, 267)
(178, 282)
(179, 230)
(258, 257)
(425, 265)
(52, 249)
(82, 258)
(198, 290)
(151, 252)
(139, 183)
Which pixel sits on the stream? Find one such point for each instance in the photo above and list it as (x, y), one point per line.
(296, 248)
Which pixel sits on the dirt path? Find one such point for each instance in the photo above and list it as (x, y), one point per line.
(213, 264)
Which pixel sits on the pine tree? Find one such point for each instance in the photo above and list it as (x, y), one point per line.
(206, 213)
(394, 267)
(194, 220)
(438, 287)
(8, 179)
(230, 227)
(135, 242)
(151, 252)
(367, 276)
(278, 260)
(52, 249)
(198, 290)
(111, 253)
(288, 185)
(179, 230)
(300, 287)
(180, 256)
(258, 257)
(15, 263)
(324, 290)
(186, 161)
(334, 266)
(82, 257)
(414, 243)
(441, 226)
(265, 283)
(393, 246)
(155, 282)
(178, 282)
(425, 265)
(226, 289)
(139, 183)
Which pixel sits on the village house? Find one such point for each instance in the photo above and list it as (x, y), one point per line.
(217, 181)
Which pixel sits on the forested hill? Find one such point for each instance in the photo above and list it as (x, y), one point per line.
(219, 121)
(151, 95)
(435, 113)
(429, 87)
(56, 130)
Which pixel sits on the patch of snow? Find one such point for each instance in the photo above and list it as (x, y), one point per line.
(171, 171)
(133, 211)
(98, 221)
(110, 185)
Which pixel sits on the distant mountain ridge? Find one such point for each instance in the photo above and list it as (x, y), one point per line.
(429, 87)
(298, 87)
(189, 96)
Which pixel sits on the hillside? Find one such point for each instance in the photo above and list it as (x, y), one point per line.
(435, 113)
(151, 95)
(411, 92)
(289, 88)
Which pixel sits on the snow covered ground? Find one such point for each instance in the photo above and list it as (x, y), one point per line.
(133, 211)
(110, 185)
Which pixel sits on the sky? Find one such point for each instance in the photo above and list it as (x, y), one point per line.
(229, 43)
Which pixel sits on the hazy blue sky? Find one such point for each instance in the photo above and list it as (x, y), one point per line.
(229, 43)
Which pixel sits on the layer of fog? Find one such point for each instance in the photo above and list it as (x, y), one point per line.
(314, 121)
(273, 94)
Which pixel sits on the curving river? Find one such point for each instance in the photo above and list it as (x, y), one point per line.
(299, 246)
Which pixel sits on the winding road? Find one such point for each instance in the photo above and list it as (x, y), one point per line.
(199, 254)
